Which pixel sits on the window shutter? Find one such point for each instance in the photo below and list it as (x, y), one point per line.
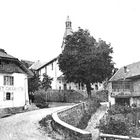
(4, 96)
(12, 96)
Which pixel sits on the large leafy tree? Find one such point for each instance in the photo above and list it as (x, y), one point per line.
(46, 82)
(34, 82)
(84, 60)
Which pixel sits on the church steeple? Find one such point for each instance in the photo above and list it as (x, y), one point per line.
(68, 30)
(68, 23)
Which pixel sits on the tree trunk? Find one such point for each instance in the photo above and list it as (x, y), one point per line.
(88, 86)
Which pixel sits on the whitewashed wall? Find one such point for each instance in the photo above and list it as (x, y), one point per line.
(52, 70)
(110, 99)
(19, 89)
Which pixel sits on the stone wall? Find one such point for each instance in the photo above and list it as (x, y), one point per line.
(65, 122)
(73, 115)
(9, 111)
(116, 137)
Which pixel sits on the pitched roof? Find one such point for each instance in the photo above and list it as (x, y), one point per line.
(5, 56)
(129, 71)
(36, 65)
(39, 65)
(27, 63)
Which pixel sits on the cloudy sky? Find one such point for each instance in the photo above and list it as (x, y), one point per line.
(33, 29)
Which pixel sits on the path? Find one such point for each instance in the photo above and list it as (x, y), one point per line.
(24, 126)
(94, 121)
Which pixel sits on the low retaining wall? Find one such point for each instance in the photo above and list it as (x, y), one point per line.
(9, 111)
(116, 137)
(65, 121)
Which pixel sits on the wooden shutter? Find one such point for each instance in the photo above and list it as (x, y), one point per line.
(4, 96)
(12, 96)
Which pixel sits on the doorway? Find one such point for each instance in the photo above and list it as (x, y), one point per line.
(122, 101)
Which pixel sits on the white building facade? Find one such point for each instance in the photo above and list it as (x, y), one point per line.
(13, 82)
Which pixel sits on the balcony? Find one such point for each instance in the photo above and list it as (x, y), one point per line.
(123, 94)
(122, 89)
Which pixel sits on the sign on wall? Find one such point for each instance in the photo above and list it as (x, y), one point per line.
(8, 88)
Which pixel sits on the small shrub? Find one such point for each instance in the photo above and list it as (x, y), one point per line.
(120, 120)
(115, 124)
(119, 109)
(40, 99)
(45, 123)
(102, 95)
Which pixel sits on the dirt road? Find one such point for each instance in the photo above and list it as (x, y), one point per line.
(25, 126)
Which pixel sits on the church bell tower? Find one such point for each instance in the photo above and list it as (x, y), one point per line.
(68, 31)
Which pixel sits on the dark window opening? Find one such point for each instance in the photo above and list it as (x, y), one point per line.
(122, 101)
(8, 80)
(8, 96)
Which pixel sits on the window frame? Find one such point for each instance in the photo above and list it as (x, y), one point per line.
(8, 80)
(9, 97)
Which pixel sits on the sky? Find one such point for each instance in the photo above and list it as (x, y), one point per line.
(33, 29)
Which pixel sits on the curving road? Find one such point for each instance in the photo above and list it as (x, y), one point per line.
(25, 126)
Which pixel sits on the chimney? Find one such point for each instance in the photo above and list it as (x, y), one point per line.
(125, 69)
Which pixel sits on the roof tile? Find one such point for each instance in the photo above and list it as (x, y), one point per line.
(132, 70)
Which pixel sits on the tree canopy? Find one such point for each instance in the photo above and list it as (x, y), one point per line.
(34, 82)
(46, 82)
(84, 60)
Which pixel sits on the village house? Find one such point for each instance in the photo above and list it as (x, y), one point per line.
(124, 85)
(13, 81)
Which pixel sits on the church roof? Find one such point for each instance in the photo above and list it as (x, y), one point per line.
(47, 63)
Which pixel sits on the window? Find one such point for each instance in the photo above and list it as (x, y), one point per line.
(115, 86)
(8, 96)
(8, 80)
